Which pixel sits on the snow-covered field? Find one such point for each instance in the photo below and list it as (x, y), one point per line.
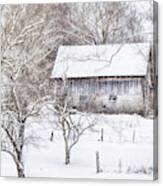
(125, 153)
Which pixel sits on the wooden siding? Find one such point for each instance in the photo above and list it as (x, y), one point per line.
(110, 93)
(101, 86)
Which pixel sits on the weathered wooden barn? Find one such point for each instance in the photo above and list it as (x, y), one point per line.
(102, 78)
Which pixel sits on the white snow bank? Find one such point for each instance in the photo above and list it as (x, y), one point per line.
(118, 147)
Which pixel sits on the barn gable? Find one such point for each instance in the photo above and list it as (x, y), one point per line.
(101, 60)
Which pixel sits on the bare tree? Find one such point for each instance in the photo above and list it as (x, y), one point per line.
(72, 128)
(104, 23)
(73, 124)
(150, 85)
(13, 134)
(26, 42)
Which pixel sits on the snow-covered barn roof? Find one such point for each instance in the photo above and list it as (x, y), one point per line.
(101, 60)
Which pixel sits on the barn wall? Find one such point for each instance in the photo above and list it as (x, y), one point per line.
(105, 94)
(105, 86)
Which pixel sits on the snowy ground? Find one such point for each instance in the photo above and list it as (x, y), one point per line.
(125, 153)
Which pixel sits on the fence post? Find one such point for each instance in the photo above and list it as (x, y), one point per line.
(51, 136)
(98, 169)
(120, 166)
(133, 136)
(102, 134)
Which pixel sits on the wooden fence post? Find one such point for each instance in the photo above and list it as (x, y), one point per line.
(102, 134)
(51, 136)
(133, 136)
(120, 166)
(98, 169)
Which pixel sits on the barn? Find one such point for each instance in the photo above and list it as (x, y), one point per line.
(102, 78)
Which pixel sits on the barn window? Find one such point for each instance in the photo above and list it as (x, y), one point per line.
(112, 98)
(83, 98)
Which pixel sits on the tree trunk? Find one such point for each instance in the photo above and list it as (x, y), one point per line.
(20, 170)
(20, 164)
(67, 156)
(67, 150)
